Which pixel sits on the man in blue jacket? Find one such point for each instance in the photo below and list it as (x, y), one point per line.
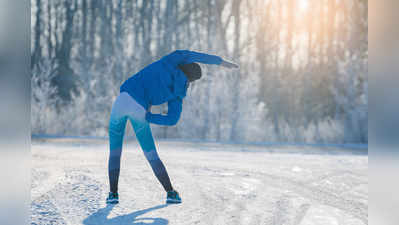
(165, 80)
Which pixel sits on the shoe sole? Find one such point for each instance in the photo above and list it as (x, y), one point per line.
(172, 201)
(113, 202)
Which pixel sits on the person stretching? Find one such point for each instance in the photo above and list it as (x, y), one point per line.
(165, 80)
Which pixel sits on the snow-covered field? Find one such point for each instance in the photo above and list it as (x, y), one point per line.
(220, 184)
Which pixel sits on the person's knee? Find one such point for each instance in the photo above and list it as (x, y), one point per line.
(117, 124)
(151, 155)
(116, 130)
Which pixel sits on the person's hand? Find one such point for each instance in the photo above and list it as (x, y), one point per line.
(229, 65)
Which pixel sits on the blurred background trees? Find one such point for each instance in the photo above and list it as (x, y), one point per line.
(303, 75)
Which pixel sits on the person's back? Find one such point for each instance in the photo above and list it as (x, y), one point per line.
(143, 84)
(162, 80)
(165, 80)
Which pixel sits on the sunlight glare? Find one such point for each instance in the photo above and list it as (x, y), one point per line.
(303, 4)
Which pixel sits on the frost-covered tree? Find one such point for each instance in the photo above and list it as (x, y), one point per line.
(301, 79)
(43, 99)
(351, 95)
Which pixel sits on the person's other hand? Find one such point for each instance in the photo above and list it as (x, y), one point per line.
(229, 65)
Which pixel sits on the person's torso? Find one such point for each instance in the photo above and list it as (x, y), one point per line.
(156, 84)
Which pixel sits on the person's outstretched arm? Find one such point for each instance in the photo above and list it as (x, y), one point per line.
(186, 57)
(173, 116)
(230, 65)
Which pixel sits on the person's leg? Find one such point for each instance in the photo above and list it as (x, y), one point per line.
(144, 136)
(116, 132)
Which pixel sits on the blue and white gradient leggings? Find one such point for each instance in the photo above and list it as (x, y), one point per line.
(126, 108)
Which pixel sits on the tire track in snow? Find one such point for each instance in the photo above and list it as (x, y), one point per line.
(75, 198)
(201, 187)
(281, 212)
(232, 199)
(243, 201)
(357, 209)
(303, 209)
(43, 211)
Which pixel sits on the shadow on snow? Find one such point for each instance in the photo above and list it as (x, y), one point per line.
(100, 217)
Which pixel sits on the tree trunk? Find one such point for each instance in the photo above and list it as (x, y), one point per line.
(65, 80)
(206, 128)
(234, 135)
(37, 52)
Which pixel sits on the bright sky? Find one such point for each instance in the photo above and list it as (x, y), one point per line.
(303, 4)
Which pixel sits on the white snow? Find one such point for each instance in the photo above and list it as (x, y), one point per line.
(296, 169)
(219, 184)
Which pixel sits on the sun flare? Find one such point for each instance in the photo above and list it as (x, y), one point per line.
(303, 5)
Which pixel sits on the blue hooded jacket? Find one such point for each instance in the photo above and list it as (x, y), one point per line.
(162, 81)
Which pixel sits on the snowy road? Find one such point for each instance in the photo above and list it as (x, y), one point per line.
(220, 184)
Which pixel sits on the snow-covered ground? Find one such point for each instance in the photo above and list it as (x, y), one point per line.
(219, 184)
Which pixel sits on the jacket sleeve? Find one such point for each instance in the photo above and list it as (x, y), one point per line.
(186, 57)
(173, 116)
